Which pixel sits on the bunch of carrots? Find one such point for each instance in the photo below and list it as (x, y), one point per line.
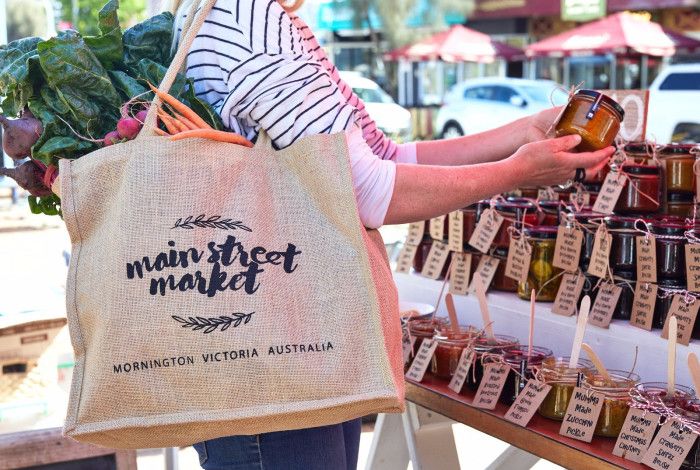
(181, 122)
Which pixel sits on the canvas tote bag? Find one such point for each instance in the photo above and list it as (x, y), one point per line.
(220, 290)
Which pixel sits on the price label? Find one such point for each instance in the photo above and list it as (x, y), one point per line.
(609, 193)
(692, 266)
(600, 256)
(580, 198)
(415, 233)
(406, 256)
(437, 228)
(582, 415)
(422, 360)
(636, 434)
(491, 386)
(407, 343)
(527, 402)
(455, 234)
(486, 230)
(518, 262)
(567, 250)
(685, 314)
(437, 257)
(646, 259)
(547, 194)
(568, 294)
(604, 305)
(459, 276)
(643, 305)
(484, 273)
(670, 447)
(462, 372)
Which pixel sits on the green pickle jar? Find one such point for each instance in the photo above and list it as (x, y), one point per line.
(616, 399)
(556, 373)
(542, 275)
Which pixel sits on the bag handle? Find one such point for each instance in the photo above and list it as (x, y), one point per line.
(193, 23)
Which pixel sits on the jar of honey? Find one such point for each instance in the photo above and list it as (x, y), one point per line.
(641, 192)
(563, 379)
(522, 369)
(616, 399)
(450, 345)
(680, 177)
(501, 282)
(542, 275)
(487, 346)
(680, 205)
(594, 116)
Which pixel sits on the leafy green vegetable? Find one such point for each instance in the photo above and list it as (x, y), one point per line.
(50, 205)
(152, 72)
(16, 81)
(108, 46)
(128, 86)
(64, 147)
(150, 39)
(203, 109)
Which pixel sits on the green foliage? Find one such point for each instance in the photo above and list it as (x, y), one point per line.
(149, 40)
(130, 12)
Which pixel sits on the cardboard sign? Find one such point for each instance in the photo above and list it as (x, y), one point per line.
(600, 257)
(636, 434)
(604, 305)
(437, 257)
(567, 250)
(636, 106)
(518, 262)
(455, 232)
(569, 292)
(415, 233)
(685, 314)
(486, 230)
(527, 402)
(643, 305)
(437, 228)
(422, 360)
(609, 193)
(646, 259)
(459, 276)
(491, 386)
(484, 272)
(405, 261)
(582, 415)
(670, 447)
(692, 266)
(462, 372)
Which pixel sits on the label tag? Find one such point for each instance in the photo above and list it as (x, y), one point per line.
(580, 198)
(459, 276)
(643, 305)
(547, 194)
(437, 228)
(518, 261)
(604, 305)
(685, 313)
(407, 343)
(484, 273)
(491, 385)
(609, 193)
(526, 404)
(567, 250)
(486, 230)
(636, 434)
(405, 261)
(646, 259)
(600, 256)
(422, 360)
(437, 257)
(415, 233)
(462, 372)
(455, 234)
(692, 266)
(582, 415)
(670, 447)
(568, 294)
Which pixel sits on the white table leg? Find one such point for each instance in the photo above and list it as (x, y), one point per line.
(388, 450)
(514, 459)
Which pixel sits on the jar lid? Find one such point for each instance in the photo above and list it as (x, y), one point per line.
(639, 147)
(668, 228)
(542, 232)
(550, 204)
(675, 149)
(606, 99)
(672, 284)
(680, 197)
(640, 169)
(619, 222)
(513, 207)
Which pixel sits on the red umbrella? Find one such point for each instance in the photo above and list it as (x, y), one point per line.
(458, 44)
(621, 33)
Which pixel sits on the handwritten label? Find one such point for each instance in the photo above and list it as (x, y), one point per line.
(636, 434)
(518, 262)
(422, 360)
(670, 447)
(646, 259)
(407, 343)
(568, 294)
(643, 305)
(455, 233)
(692, 266)
(685, 314)
(604, 305)
(459, 276)
(600, 256)
(437, 228)
(437, 257)
(582, 415)
(405, 261)
(462, 372)
(609, 193)
(567, 250)
(527, 402)
(484, 272)
(486, 230)
(491, 386)
(547, 194)
(415, 233)
(580, 198)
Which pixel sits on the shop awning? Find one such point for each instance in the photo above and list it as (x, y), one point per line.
(622, 34)
(458, 44)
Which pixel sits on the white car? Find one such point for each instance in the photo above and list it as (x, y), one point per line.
(392, 119)
(674, 105)
(481, 104)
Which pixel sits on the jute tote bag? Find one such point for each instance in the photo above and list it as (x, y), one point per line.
(218, 290)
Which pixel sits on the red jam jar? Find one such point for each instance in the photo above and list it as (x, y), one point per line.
(658, 392)
(594, 116)
(450, 345)
(641, 193)
(517, 358)
(623, 250)
(639, 153)
(516, 214)
(680, 177)
(422, 328)
(485, 345)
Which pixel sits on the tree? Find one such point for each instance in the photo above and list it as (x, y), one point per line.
(130, 13)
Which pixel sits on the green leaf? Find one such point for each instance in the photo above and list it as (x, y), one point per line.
(206, 112)
(53, 128)
(150, 39)
(108, 46)
(17, 74)
(129, 86)
(150, 71)
(62, 147)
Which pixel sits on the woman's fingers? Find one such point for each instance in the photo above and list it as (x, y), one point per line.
(587, 159)
(564, 144)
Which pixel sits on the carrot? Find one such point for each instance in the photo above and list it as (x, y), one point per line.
(160, 131)
(181, 108)
(189, 124)
(219, 136)
(168, 122)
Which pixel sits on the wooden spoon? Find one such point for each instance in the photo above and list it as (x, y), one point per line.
(597, 362)
(484, 307)
(450, 303)
(580, 331)
(671, 366)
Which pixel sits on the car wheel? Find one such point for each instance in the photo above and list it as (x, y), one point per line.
(452, 130)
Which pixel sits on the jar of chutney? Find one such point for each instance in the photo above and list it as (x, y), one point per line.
(556, 373)
(424, 328)
(516, 214)
(616, 399)
(690, 411)
(680, 177)
(642, 190)
(487, 346)
(450, 345)
(594, 116)
(542, 275)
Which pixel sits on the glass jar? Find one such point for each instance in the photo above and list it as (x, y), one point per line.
(639, 153)
(516, 215)
(680, 177)
(616, 402)
(542, 275)
(450, 345)
(550, 213)
(584, 219)
(485, 345)
(690, 410)
(518, 360)
(469, 218)
(623, 247)
(594, 116)
(563, 379)
(422, 254)
(422, 328)
(530, 192)
(658, 391)
(680, 205)
(641, 192)
(670, 249)
(501, 282)
(663, 303)
(623, 310)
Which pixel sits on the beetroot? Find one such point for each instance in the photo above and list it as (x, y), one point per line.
(28, 176)
(112, 138)
(19, 135)
(128, 128)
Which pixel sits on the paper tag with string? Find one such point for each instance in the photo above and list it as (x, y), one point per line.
(567, 250)
(670, 446)
(600, 257)
(582, 414)
(459, 277)
(519, 255)
(547, 194)
(646, 258)
(491, 386)
(527, 402)
(638, 429)
(462, 372)
(580, 198)
(486, 230)
(484, 273)
(405, 260)
(422, 360)
(437, 257)
(604, 305)
(692, 266)
(609, 193)
(568, 294)
(685, 309)
(643, 305)
(455, 231)
(407, 342)
(437, 228)
(415, 233)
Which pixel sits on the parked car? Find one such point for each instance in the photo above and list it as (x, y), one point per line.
(481, 104)
(392, 119)
(674, 96)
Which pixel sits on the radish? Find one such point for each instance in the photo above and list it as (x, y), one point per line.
(128, 127)
(19, 135)
(28, 176)
(111, 138)
(141, 116)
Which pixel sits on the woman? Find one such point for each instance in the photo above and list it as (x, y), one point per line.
(262, 69)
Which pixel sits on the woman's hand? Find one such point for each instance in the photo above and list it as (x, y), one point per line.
(541, 122)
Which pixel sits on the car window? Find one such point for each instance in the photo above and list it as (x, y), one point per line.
(681, 81)
(372, 95)
(503, 94)
(479, 93)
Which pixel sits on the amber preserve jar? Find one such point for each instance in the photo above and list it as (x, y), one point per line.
(680, 177)
(450, 345)
(616, 402)
(542, 275)
(641, 193)
(563, 379)
(594, 116)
